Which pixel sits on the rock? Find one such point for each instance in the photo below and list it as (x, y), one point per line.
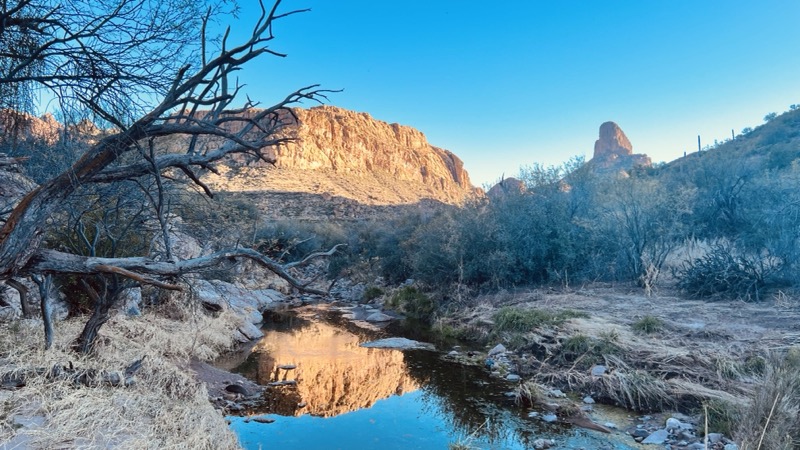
(533, 414)
(8, 313)
(695, 446)
(639, 432)
(598, 370)
(237, 389)
(714, 437)
(287, 367)
(453, 353)
(610, 425)
(613, 151)
(507, 186)
(731, 447)
(513, 377)
(130, 301)
(556, 393)
(540, 444)
(379, 317)
(263, 420)
(612, 142)
(497, 350)
(549, 418)
(588, 400)
(673, 424)
(250, 331)
(657, 437)
(399, 344)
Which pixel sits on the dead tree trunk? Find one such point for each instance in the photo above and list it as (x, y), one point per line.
(45, 284)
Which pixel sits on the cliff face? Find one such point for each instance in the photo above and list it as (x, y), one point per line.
(344, 153)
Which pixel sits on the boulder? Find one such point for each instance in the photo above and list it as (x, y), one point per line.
(250, 331)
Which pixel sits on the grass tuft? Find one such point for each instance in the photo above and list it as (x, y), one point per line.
(648, 325)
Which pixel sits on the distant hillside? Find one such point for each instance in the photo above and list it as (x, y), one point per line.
(773, 145)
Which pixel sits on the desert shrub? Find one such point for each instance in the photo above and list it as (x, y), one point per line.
(372, 292)
(724, 271)
(414, 304)
(648, 325)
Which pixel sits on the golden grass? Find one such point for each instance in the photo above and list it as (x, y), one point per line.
(166, 407)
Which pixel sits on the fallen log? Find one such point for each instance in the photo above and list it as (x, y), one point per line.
(86, 377)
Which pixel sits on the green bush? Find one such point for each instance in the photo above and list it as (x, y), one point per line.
(372, 292)
(414, 304)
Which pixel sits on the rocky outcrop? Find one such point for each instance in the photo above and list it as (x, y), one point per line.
(507, 186)
(613, 151)
(343, 153)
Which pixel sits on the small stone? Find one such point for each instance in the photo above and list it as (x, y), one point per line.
(657, 437)
(453, 353)
(557, 393)
(610, 425)
(696, 446)
(533, 414)
(673, 424)
(731, 447)
(714, 437)
(639, 433)
(287, 367)
(588, 400)
(598, 370)
(513, 377)
(540, 444)
(497, 350)
(263, 420)
(379, 317)
(549, 417)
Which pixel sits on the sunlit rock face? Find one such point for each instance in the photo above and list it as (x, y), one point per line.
(333, 374)
(344, 153)
(613, 152)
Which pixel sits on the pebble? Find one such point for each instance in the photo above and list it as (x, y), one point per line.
(588, 400)
(714, 437)
(540, 444)
(513, 377)
(453, 353)
(533, 414)
(610, 425)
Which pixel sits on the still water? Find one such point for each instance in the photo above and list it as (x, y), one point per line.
(330, 393)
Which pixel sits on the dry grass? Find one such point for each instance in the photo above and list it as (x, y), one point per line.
(772, 419)
(165, 408)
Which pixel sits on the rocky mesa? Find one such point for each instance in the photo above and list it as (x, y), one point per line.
(338, 152)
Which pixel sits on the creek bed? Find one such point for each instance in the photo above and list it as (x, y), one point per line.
(330, 393)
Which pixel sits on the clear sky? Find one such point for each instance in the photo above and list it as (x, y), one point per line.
(509, 83)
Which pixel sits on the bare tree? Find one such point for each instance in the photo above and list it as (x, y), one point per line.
(115, 77)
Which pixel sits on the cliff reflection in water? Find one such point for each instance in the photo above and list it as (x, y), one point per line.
(333, 374)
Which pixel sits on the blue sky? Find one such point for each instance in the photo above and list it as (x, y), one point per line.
(510, 83)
